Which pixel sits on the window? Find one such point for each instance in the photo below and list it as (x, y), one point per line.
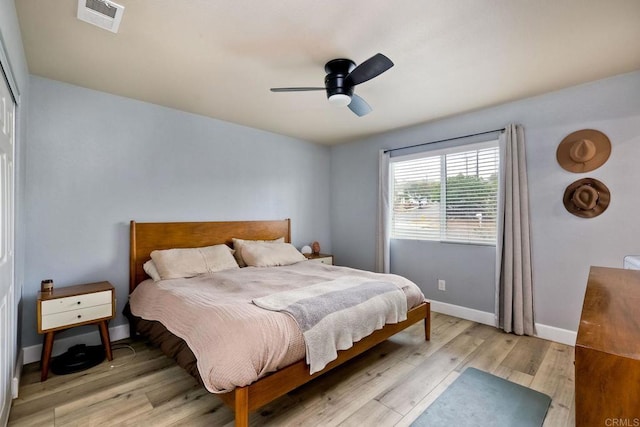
(446, 195)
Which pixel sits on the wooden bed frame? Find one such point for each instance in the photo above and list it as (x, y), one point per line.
(146, 237)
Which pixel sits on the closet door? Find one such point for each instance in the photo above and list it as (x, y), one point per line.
(7, 311)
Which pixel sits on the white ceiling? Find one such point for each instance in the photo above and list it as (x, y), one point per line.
(219, 58)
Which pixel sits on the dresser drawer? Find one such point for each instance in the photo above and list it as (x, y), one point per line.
(80, 315)
(60, 305)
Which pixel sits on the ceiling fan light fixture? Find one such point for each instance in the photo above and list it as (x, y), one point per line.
(339, 100)
(342, 76)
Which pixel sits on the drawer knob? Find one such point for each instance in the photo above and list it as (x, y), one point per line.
(78, 302)
(79, 316)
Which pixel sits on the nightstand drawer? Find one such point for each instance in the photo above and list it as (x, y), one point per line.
(323, 260)
(81, 315)
(60, 305)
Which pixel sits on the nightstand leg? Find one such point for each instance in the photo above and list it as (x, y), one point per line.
(47, 348)
(104, 336)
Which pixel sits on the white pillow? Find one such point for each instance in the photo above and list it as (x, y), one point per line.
(238, 243)
(150, 268)
(271, 254)
(176, 263)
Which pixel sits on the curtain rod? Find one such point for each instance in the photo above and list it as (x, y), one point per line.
(445, 140)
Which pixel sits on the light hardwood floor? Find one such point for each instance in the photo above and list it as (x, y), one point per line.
(388, 386)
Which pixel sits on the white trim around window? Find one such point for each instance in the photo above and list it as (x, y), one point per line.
(446, 195)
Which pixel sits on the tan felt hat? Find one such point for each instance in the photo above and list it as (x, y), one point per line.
(583, 150)
(586, 198)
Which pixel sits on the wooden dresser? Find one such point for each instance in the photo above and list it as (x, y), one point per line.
(608, 350)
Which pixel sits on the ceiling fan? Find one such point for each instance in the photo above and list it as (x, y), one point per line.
(342, 76)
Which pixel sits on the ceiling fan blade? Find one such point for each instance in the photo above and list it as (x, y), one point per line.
(295, 89)
(369, 69)
(359, 106)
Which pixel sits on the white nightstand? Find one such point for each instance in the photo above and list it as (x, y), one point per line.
(71, 306)
(322, 258)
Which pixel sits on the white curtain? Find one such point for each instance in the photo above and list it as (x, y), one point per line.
(514, 293)
(384, 214)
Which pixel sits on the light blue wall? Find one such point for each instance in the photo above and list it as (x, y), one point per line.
(563, 245)
(95, 161)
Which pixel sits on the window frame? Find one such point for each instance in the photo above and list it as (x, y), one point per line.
(443, 151)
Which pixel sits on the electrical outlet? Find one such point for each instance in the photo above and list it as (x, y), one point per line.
(441, 285)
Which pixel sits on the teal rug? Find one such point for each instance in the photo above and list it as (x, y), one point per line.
(478, 399)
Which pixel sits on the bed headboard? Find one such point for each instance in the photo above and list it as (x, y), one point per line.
(148, 236)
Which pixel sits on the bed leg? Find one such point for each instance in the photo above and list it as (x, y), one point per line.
(427, 323)
(242, 407)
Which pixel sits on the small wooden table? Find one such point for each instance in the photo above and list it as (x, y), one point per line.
(71, 306)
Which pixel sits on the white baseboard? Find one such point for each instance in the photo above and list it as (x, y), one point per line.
(551, 333)
(466, 313)
(17, 373)
(33, 353)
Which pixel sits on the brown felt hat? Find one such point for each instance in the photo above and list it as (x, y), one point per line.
(583, 150)
(586, 198)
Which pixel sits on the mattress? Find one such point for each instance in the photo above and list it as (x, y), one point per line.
(234, 342)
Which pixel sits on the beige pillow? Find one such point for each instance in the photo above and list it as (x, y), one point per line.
(238, 243)
(150, 268)
(271, 254)
(176, 263)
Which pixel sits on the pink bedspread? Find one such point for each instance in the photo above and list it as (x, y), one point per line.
(234, 341)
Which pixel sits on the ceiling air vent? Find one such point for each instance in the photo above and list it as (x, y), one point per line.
(101, 13)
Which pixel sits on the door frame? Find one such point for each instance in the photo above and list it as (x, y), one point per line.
(7, 71)
(15, 291)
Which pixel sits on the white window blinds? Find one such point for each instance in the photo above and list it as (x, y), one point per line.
(446, 195)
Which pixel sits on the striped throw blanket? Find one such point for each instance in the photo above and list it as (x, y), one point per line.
(333, 315)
